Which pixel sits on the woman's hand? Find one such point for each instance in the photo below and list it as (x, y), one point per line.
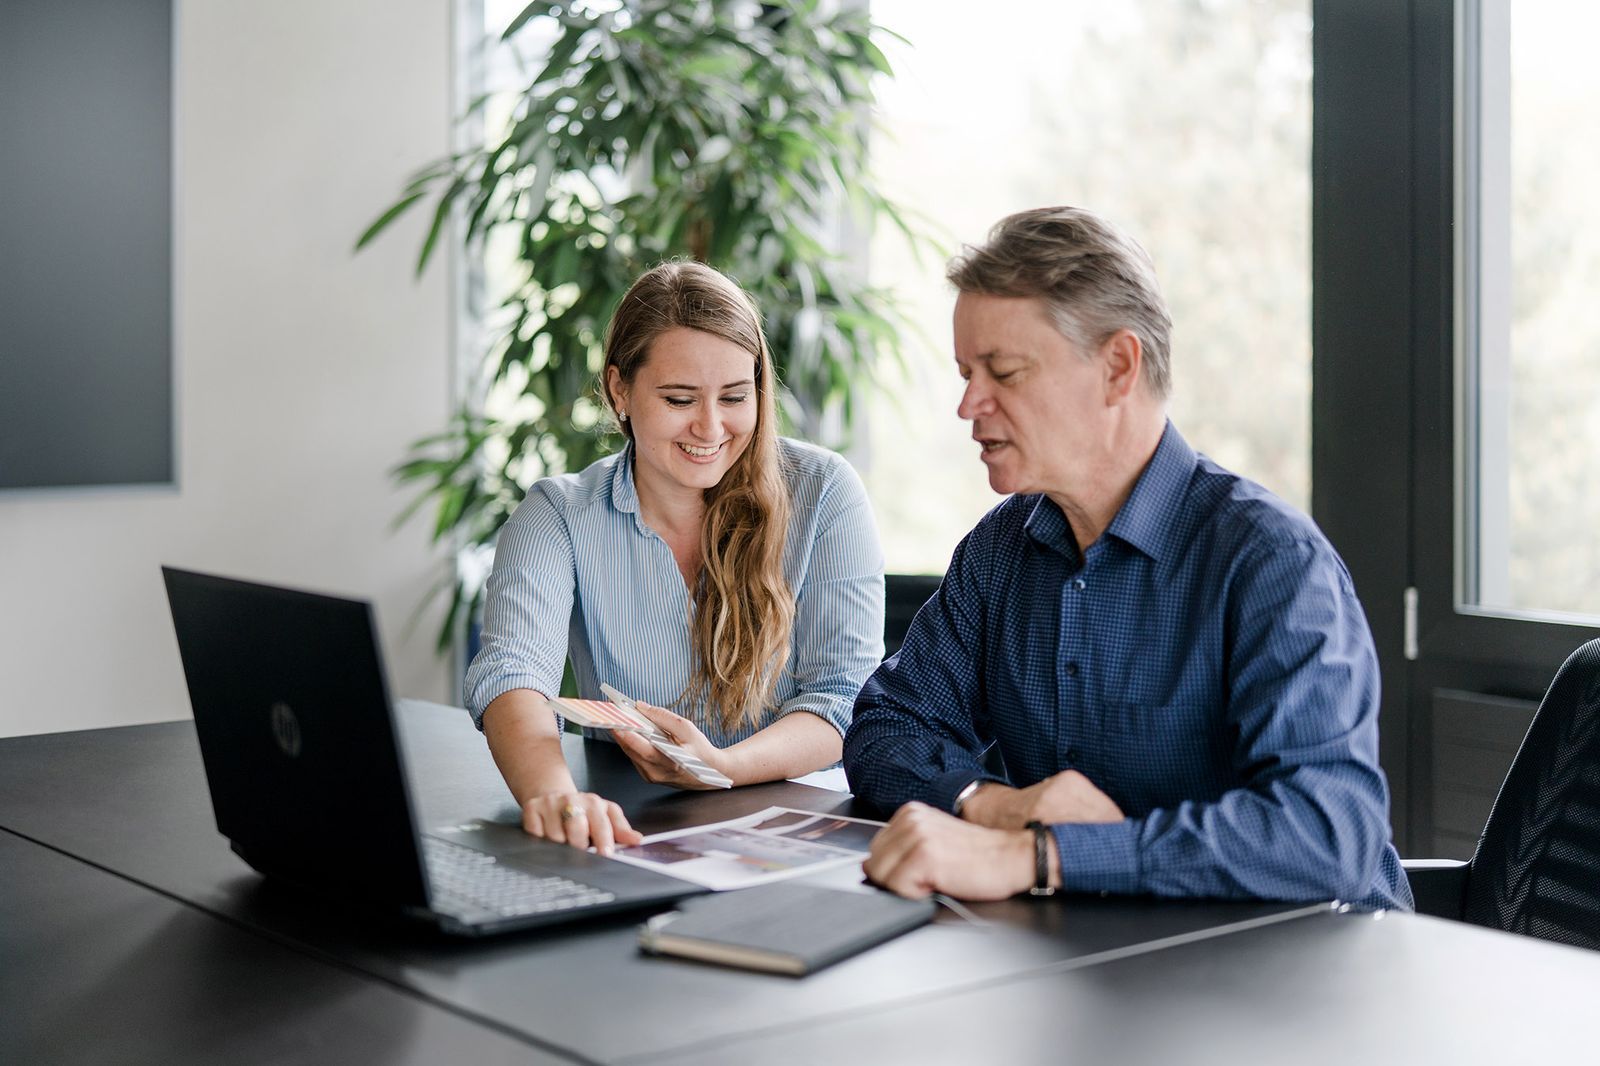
(578, 818)
(656, 767)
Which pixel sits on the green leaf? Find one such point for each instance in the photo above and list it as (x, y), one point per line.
(544, 171)
(394, 212)
(440, 215)
(536, 8)
(564, 54)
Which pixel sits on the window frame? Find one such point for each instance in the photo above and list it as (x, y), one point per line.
(1389, 384)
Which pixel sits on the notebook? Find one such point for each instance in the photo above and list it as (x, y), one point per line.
(786, 928)
(302, 759)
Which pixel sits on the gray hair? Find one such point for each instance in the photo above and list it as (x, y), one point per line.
(1092, 278)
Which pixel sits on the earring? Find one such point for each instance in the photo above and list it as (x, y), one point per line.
(622, 416)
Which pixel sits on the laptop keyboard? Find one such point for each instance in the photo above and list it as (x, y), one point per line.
(460, 875)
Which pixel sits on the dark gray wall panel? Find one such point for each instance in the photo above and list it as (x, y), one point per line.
(85, 242)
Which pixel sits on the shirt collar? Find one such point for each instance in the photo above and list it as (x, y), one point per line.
(1147, 519)
(1048, 527)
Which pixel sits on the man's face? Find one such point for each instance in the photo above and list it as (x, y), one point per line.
(1038, 408)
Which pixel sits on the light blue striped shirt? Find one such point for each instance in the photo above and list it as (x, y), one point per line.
(577, 572)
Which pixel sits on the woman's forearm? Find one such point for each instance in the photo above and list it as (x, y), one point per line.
(522, 735)
(794, 745)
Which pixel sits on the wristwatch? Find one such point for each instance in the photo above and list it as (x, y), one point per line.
(964, 795)
(1041, 860)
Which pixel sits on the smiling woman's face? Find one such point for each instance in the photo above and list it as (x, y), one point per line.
(693, 410)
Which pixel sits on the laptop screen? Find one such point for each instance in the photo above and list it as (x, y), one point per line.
(297, 734)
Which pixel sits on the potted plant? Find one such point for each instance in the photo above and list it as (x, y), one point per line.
(730, 133)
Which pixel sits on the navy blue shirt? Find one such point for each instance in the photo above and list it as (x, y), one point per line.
(1205, 663)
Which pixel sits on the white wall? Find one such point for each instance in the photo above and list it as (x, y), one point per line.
(302, 371)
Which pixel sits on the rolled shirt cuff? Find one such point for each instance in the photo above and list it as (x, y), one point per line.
(835, 710)
(492, 689)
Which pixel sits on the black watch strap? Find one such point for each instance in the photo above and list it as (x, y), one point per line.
(1041, 860)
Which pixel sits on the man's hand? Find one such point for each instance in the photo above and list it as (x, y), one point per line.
(655, 767)
(1064, 797)
(922, 850)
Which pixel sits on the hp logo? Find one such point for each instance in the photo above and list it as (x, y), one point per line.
(286, 729)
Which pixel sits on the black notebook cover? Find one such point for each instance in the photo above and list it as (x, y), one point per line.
(784, 928)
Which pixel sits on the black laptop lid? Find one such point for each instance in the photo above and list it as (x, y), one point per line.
(297, 734)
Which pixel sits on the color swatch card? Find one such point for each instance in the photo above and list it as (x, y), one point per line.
(620, 715)
(599, 714)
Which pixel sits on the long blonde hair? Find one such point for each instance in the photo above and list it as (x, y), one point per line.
(743, 607)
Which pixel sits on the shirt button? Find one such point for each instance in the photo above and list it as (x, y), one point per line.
(1072, 755)
(1080, 584)
(1072, 669)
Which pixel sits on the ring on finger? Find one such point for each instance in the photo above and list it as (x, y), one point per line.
(571, 811)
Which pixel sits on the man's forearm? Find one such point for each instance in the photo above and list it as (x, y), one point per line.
(1271, 843)
(888, 766)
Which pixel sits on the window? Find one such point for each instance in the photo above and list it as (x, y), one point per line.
(1419, 195)
(1189, 124)
(1528, 329)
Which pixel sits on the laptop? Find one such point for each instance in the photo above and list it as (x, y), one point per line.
(302, 757)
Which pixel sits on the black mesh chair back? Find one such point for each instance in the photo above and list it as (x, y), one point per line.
(904, 595)
(1536, 870)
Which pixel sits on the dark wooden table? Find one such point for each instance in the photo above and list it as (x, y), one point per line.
(97, 969)
(123, 814)
(1327, 989)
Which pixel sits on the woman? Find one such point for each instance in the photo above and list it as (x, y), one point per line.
(709, 565)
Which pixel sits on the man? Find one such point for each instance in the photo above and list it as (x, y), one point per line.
(1171, 661)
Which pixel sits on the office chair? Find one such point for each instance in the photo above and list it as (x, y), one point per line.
(904, 595)
(1536, 869)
